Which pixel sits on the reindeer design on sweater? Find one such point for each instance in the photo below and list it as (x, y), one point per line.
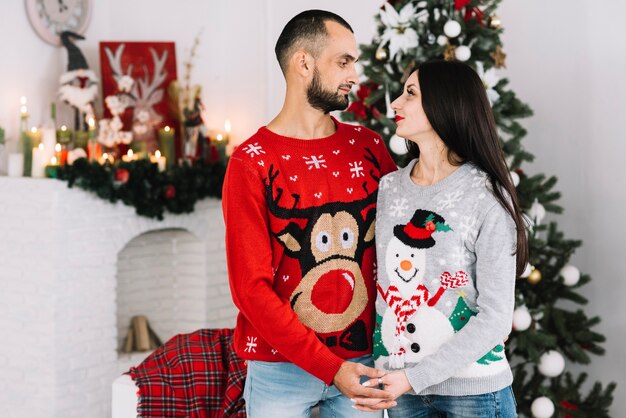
(329, 247)
(408, 297)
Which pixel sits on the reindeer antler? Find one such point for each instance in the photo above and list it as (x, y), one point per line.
(150, 93)
(372, 158)
(272, 203)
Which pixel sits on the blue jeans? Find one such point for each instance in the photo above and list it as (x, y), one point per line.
(284, 390)
(500, 404)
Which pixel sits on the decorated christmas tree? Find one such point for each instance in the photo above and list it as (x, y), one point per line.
(546, 329)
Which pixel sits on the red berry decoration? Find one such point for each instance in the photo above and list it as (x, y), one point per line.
(122, 175)
(170, 192)
(430, 226)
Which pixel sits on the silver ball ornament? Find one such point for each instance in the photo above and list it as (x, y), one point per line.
(398, 145)
(463, 53)
(452, 28)
(551, 364)
(542, 407)
(521, 319)
(570, 275)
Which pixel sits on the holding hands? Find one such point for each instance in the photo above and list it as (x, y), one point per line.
(395, 383)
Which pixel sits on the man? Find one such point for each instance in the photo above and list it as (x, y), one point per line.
(299, 206)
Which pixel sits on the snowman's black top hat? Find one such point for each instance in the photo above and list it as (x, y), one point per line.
(417, 233)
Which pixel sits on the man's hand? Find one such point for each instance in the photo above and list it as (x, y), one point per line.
(395, 383)
(347, 380)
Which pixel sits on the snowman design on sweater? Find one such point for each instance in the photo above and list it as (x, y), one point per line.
(408, 298)
(412, 327)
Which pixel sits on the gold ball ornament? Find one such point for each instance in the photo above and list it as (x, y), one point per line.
(381, 54)
(534, 277)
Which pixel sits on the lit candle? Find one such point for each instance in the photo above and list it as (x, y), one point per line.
(160, 160)
(166, 143)
(52, 169)
(30, 140)
(63, 135)
(39, 161)
(220, 145)
(227, 128)
(129, 156)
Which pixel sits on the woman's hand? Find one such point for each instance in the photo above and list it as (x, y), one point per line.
(394, 382)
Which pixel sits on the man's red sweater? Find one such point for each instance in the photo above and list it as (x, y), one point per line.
(300, 218)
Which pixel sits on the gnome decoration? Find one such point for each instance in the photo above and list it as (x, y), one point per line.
(412, 327)
(79, 86)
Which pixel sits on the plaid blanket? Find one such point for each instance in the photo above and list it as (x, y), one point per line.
(195, 375)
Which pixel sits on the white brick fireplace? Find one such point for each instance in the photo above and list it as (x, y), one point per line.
(73, 270)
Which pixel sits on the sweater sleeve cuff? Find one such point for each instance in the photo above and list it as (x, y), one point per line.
(418, 378)
(329, 365)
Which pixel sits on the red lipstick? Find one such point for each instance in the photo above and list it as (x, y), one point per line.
(398, 118)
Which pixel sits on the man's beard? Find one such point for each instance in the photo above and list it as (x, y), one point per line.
(324, 100)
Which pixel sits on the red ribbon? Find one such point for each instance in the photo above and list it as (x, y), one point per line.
(459, 4)
(474, 12)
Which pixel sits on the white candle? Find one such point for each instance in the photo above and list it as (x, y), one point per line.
(39, 162)
(16, 165)
(49, 140)
(160, 160)
(129, 156)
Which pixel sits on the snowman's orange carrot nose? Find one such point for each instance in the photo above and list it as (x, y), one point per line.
(406, 265)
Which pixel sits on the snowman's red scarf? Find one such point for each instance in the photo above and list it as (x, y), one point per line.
(406, 308)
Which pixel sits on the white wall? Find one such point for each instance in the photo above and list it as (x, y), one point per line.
(565, 59)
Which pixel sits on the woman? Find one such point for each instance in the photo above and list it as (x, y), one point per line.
(450, 240)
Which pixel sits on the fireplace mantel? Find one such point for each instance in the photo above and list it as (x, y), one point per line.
(59, 250)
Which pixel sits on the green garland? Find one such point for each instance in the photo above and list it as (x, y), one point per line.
(140, 184)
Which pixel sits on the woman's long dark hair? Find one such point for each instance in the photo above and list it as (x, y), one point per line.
(456, 105)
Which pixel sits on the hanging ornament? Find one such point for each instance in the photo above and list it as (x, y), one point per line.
(449, 53)
(521, 319)
(542, 407)
(495, 22)
(514, 178)
(534, 277)
(529, 268)
(442, 40)
(381, 54)
(537, 212)
(452, 28)
(570, 275)
(551, 363)
(398, 145)
(499, 57)
(463, 53)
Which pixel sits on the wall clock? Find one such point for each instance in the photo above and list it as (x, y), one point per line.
(51, 17)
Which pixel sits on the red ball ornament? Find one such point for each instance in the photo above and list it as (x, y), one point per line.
(170, 192)
(122, 175)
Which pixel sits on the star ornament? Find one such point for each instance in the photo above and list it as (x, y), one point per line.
(449, 54)
(499, 57)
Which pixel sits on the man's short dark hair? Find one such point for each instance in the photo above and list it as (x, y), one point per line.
(305, 30)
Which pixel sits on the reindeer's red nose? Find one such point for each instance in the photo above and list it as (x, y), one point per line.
(333, 291)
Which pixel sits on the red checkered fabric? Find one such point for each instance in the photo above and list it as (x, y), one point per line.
(195, 375)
